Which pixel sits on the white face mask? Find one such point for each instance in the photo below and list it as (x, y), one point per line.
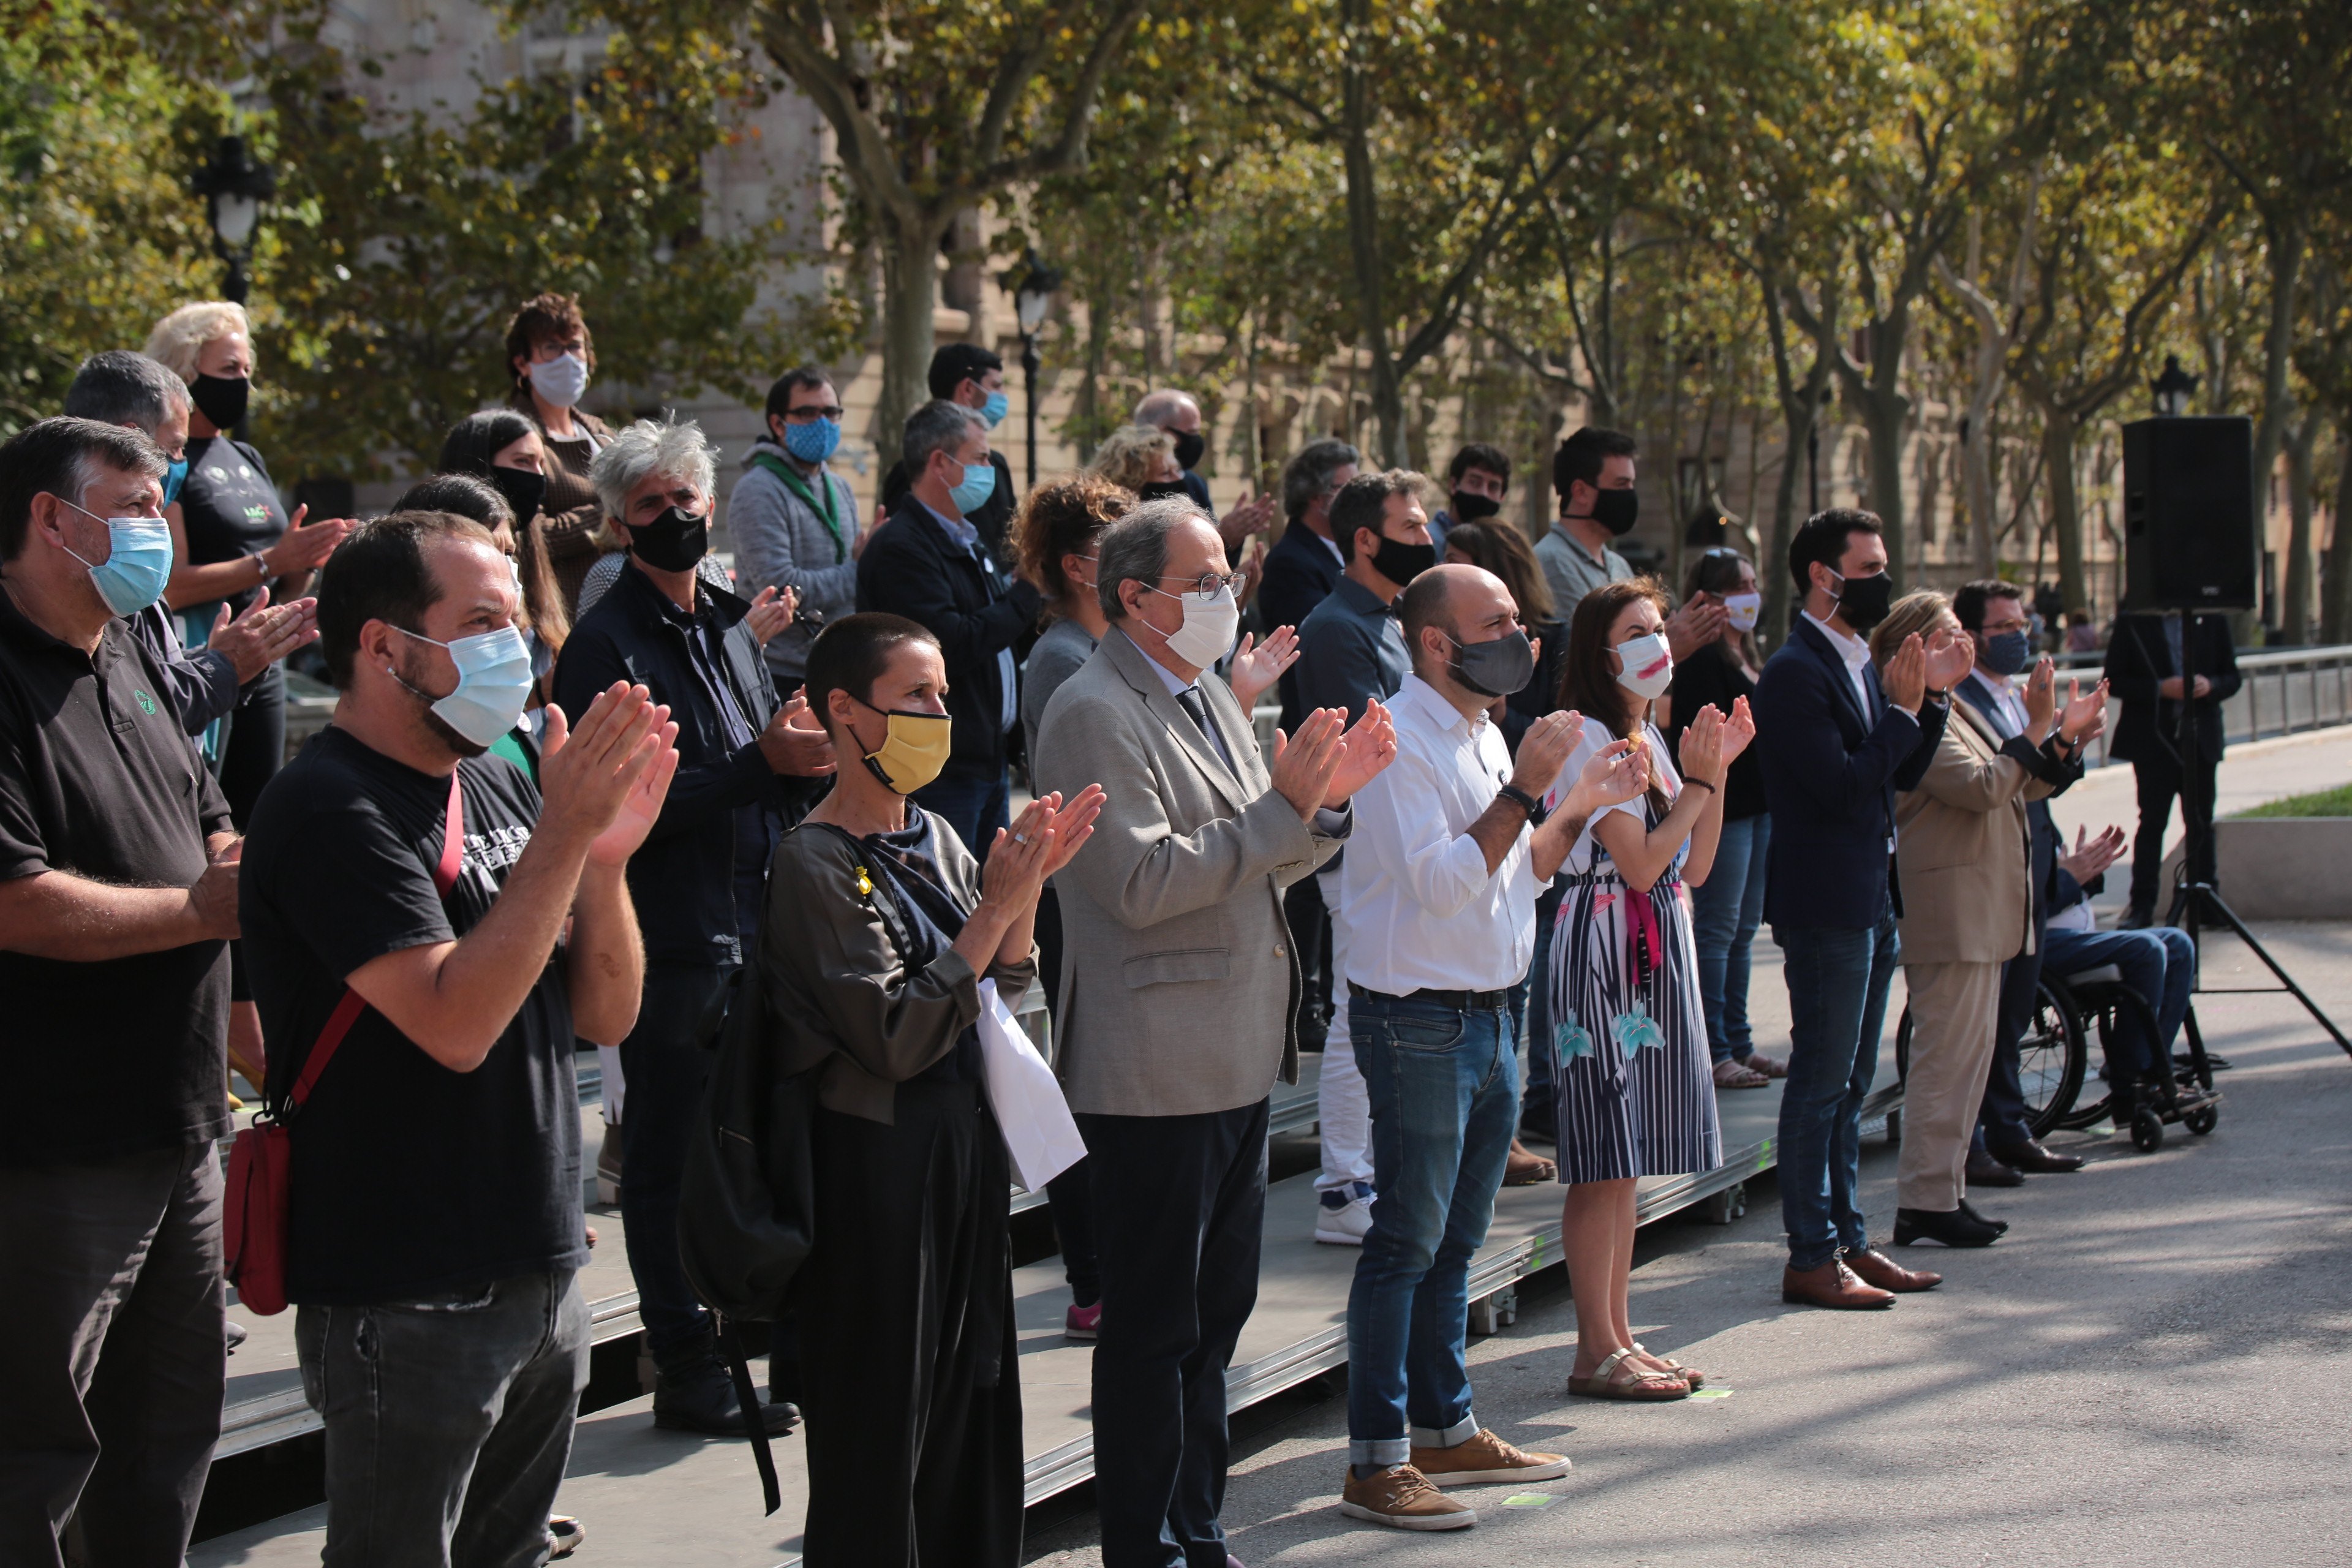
(494, 683)
(1207, 634)
(1742, 609)
(561, 379)
(1648, 665)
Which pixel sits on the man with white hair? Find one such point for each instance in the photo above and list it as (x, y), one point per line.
(745, 763)
(1177, 413)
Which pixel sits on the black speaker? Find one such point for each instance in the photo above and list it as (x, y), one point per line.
(2188, 514)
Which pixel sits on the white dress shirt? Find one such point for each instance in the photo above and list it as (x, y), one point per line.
(2003, 692)
(1420, 909)
(1856, 654)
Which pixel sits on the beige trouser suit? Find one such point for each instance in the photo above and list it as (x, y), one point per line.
(1963, 848)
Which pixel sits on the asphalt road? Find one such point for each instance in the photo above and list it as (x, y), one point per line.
(2153, 1367)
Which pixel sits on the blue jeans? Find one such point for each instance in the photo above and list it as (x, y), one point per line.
(1445, 1090)
(2159, 962)
(1837, 1009)
(1726, 910)
(976, 802)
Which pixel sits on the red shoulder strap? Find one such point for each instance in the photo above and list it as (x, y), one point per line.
(348, 1010)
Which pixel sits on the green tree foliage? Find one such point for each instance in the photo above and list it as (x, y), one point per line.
(98, 234)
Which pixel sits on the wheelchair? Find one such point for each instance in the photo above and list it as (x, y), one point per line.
(2053, 1060)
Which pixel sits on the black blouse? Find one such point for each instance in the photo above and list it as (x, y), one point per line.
(1714, 677)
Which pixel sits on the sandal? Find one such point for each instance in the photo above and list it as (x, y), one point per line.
(1525, 1168)
(1729, 1074)
(1638, 1383)
(1770, 1066)
(1690, 1374)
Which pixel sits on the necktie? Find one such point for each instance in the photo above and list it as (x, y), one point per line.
(1195, 710)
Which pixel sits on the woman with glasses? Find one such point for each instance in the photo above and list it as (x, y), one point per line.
(1729, 906)
(795, 520)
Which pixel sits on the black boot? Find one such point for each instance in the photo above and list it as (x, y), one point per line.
(1953, 1228)
(694, 1391)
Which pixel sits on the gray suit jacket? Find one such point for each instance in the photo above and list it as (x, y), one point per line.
(1180, 987)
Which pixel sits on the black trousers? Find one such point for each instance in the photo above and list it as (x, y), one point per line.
(1179, 1277)
(113, 1356)
(910, 1374)
(2001, 1119)
(1310, 939)
(1069, 1196)
(666, 1062)
(2158, 780)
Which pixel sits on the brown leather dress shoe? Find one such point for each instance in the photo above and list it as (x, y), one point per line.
(1830, 1285)
(1873, 1266)
(1984, 1171)
(2034, 1160)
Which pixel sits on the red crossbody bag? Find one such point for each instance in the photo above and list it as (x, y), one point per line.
(259, 1161)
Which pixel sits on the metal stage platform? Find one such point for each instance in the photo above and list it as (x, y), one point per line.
(648, 1495)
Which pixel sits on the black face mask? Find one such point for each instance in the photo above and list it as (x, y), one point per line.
(1190, 445)
(1158, 490)
(525, 492)
(1617, 510)
(673, 542)
(1495, 669)
(1401, 563)
(1469, 505)
(1865, 600)
(221, 398)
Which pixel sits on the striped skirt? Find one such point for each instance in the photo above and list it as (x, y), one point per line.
(1636, 1092)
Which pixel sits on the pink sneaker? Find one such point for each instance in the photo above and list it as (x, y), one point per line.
(1082, 1323)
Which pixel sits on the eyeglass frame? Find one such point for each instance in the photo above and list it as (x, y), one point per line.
(1202, 584)
(803, 416)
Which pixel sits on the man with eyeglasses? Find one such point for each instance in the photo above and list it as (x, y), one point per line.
(795, 520)
(1178, 1002)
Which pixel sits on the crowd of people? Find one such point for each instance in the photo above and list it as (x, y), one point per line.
(583, 787)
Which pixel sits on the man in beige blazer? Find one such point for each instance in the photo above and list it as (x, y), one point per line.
(1963, 849)
(1177, 1003)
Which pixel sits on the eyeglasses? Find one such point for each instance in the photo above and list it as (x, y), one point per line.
(803, 416)
(1205, 588)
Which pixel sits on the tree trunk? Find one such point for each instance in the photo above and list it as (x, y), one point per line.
(2294, 616)
(2336, 616)
(1886, 416)
(2278, 350)
(1801, 404)
(2065, 511)
(910, 272)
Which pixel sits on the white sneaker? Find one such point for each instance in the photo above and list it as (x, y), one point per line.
(1346, 1222)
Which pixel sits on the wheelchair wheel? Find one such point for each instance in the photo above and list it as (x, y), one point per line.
(2201, 1120)
(2051, 1058)
(2148, 1131)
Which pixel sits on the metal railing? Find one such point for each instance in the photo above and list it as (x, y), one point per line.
(2281, 691)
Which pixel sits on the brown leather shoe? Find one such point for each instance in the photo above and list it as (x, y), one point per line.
(1984, 1171)
(1830, 1285)
(2034, 1160)
(1402, 1498)
(1523, 1168)
(1873, 1266)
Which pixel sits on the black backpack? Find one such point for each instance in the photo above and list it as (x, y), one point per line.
(747, 1199)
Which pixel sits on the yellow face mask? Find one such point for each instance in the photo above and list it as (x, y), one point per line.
(915, 751)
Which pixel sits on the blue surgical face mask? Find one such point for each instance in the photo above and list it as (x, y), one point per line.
(995, 409)
(138, 561)
(493, 683)
(174, 478)
(812, 442)
(2007, 653)
(978, 484)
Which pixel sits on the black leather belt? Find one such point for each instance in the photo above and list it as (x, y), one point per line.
(1460, 1001)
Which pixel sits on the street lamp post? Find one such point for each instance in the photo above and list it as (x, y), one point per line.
(1032, 295)
(2173, 389)
(234, 187)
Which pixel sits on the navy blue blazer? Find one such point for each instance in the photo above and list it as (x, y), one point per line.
(1300, 574)
(2044, 763)
(1830, 771)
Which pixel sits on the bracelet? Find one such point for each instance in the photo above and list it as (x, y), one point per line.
(1525, 801)
(261, 565)
(1701, 783)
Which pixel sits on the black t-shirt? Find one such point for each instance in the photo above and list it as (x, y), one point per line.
(228, 506)
(97, 778)
(408, 1178)
(1713, 676)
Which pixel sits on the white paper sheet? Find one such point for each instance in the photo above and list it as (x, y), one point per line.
(1039, 1133)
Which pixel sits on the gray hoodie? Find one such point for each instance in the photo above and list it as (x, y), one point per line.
(781, 541)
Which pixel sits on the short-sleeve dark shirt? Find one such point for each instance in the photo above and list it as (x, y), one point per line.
(229, 506)
(1713, 676)
(408, 1178)
(98, 780)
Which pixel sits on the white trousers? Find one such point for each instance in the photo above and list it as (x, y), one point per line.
(1341, 1104)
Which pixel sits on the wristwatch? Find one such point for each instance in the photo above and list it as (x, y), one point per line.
(1525, 801)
